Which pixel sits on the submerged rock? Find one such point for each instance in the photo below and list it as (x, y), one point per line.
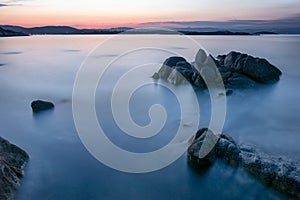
(276, 172)
(236, 69)
(40, 105)
(12, 162)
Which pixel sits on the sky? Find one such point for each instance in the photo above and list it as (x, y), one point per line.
(134, 13)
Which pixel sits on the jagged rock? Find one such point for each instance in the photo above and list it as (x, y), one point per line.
(276, 172)
(40, 105)
(259, 69)
(236, 69)
(12, 162)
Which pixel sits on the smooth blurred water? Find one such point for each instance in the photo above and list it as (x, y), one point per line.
(45, 67)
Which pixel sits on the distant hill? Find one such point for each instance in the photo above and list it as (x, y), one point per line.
(214, 33)
(10, 33)
(71, 30)
(43, 30)
(63, 30)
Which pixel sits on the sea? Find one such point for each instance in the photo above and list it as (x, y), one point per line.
(63, 165)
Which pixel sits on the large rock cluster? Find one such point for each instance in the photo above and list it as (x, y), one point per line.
(236, 70)
(276, 172)
(12, 162)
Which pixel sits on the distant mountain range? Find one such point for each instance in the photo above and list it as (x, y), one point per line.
(10, 33)
(8, 30)
(62, 30)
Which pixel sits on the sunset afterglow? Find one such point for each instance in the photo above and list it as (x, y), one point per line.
(100, 14)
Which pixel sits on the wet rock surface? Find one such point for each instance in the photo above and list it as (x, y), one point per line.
(195, 159)
(237, 70)
(12, 162)
(40, 105)
(276, 172)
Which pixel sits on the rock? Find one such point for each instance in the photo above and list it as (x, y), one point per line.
(155, 76)
(200, 57)
(164, 72)
(172, 61)
(199, 82)
(229, 92)
(259, 69)
(175, 70)
(12, 162)
(195, 150)
(221, 59)
(185, 69)
(176, 78)
(40, 105)
(237, 80)
(228, 150)
(225, 74)
(234, 61)
(236, 69)
(276, 172)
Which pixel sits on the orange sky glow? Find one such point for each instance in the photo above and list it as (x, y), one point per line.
(116, 13)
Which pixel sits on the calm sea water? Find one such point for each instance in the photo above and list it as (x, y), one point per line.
(45, 67)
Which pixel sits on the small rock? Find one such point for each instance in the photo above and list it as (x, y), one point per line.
(155, 76)
(40, 105)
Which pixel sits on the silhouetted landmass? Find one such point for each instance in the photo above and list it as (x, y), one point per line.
(65, 30)
(265, 33)
(214, 33)
(10, 33)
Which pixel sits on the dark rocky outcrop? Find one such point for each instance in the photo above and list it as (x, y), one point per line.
(40, 105)
(258, 69)
(12, 162)
(276, 172)
(237, 70)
